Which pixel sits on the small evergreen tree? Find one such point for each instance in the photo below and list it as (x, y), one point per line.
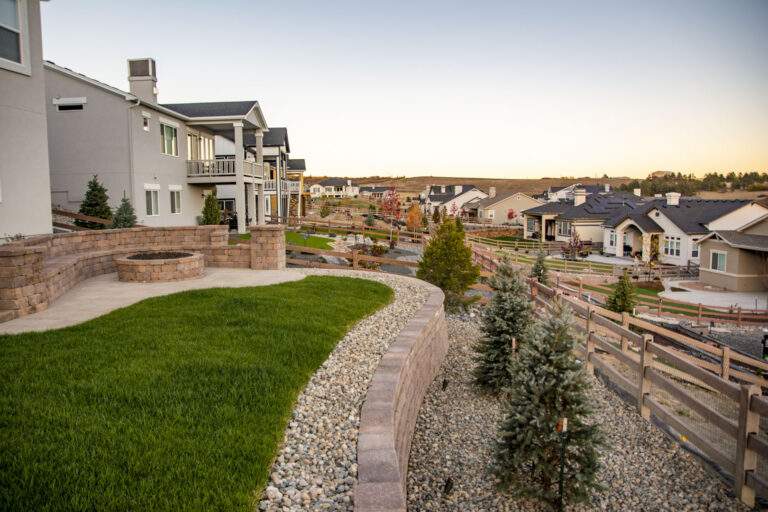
(539, 270)
(211, 215)
(459, 223)
(508, 316)
(370, 220)
(436, 216)
(325, 210)
(125, 216)
(95, 204)
(447, 263)
(548, 384)
(624, 296)
(424, 220)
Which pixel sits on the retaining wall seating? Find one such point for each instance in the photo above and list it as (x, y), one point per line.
(37, 270)
(168, 269)
(392, 403)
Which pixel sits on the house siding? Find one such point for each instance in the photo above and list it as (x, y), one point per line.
(107, 138)
(25, 201)
(670, 229)
(516, 202)
(738, 218)
(745, 271)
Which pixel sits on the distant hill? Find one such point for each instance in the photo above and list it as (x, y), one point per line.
(527, 186)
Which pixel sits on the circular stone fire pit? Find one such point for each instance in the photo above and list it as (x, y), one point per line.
(154, 266)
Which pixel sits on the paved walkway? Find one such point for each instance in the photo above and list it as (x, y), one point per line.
(102, 294)
(747, 300)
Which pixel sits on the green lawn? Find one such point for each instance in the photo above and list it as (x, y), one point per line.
(318, 242)
(174, 403)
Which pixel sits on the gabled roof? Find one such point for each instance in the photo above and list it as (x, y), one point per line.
(374, 189)
(436, 195)
(741, 240)
(551, 208)
(602, 207)
(277, 137)
(693, 214)
(334, 182)
(213, 108)
(297, 164)
(490, 201)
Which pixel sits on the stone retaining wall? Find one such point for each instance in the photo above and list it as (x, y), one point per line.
(392, 403)
(37, 270)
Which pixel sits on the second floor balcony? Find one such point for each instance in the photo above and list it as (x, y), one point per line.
(221, 170)
(289, 187)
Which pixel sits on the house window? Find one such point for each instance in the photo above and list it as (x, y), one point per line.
(152, 200)
(718, 261)
(531, 224)
(564, 228)
(175, 201)
(14, 36)
(145, 124)
(168, 138)
(672, 245)
(695, 248)
(612, 238)
(491, 214)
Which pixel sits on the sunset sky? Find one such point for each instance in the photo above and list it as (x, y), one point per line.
(492, 89)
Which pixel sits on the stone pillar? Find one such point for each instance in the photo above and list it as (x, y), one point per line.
(22, 288)
(646, 247)
(239, 178)
(619, 247)
(279, 188)
(260, 207)
(268, 247)
(250, 195)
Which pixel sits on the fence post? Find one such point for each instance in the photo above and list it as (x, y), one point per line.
(581, 288)
(699, 312)
(590, 342)
(354, 259)
(565, 266)
(738, 318)
(589, 266)
(644, 384)
(624, 324)
(660, 304)
(725, 368)
(746, 459)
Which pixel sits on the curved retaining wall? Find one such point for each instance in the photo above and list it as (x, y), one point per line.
(392, 403)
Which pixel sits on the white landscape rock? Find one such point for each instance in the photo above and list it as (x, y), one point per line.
(458, 427)
(316, 468)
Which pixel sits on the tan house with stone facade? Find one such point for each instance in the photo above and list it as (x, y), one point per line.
(737, 260)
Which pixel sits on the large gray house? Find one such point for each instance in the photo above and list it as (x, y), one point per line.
(25, 207)
(161, 156)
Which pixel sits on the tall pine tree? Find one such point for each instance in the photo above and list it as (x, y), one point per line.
(507, 317)
(539, 270)
(125, 216)
(95, 204)
(548, 384)
(624, 296)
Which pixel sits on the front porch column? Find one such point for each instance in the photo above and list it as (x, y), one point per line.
(279, 188)
(250, 194)
(543, 236)
(239, 179)
(260, 208)
(619, 247)
(646, 251)
(259, 134)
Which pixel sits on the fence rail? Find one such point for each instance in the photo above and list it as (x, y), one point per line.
(356, 259)
(719, 417)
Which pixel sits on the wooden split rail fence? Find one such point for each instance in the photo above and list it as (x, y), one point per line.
(356, 259)
(699, 400)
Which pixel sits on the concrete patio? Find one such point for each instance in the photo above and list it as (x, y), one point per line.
(100, 295)
(695, 295)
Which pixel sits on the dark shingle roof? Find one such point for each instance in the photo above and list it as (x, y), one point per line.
(370, 188)
(297, 164)
(744, 241)
(212, 108)
(276, 137)
(692, 214)
(550, 208)
(482, 203)
(334, 182)
(437, 196)
(602, 207)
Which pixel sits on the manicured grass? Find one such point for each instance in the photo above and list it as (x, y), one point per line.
(648, 297)
(174, 403)
(318, 242)
(373, 235)
(510, 238)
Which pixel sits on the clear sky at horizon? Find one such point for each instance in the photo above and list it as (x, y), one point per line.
(486, 89)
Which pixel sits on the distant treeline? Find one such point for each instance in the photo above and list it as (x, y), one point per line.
(690, 184)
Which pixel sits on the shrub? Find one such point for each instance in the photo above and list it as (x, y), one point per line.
(447, 263)
(539, 269)
(548, 384)
(325, 210)
(125, 216)
(507, 318)
(624, 295)
(370, 220)
(436, 216)
(211, 214)
(95, 204)
(413, 220)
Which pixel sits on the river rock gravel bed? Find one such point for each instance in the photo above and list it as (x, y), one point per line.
(316, 468)
(453, 448)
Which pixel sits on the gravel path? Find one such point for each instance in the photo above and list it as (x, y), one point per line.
(643, 470)
(316, 468)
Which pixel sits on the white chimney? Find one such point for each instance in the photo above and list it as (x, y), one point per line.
(349, 183)
(579, 196)
(457, 189)
(142, 79)
(607, 187)
(673, 198)
(638, 192)
(442, 189)
(491, 192)
(657, 195)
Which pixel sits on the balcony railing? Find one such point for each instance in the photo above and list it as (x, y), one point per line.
(270, 185)
(220, 167)
(291, 187)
